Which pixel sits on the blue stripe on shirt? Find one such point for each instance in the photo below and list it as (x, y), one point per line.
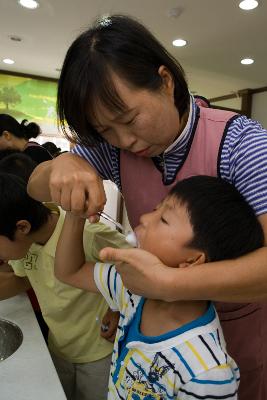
(183, 361)
(213, 382)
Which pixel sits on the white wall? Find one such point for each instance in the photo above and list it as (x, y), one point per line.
(211, 84)
(259, 108)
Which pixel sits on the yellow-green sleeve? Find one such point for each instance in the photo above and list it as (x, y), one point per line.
(97, 236)
(18, 267)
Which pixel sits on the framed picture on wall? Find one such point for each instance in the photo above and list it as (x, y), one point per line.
(32, 98)
(29, 97)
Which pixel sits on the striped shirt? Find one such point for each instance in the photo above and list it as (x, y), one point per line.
(188, 363)
(243, 158)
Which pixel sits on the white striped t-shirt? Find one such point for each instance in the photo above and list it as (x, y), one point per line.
(188, 363)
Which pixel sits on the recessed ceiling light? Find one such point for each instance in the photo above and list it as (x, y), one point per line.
(32, 4)
(179, 42)
(248, 4)
(247, 61)
(15, 38)
(8, 61)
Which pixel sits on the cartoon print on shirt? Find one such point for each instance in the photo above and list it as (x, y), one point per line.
(143, 386)
(30, 261)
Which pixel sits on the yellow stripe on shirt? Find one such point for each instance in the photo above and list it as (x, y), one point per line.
(198, 356)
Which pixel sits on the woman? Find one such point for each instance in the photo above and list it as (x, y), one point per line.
(16, 136)
(127, 104)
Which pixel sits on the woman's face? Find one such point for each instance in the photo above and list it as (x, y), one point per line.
(149, 125)
(4, 143)
(9, 141)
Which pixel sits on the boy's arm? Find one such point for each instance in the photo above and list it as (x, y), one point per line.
(70, 265)
(10, 284)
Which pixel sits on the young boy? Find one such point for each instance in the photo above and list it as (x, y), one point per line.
(29, 232)
(170, 350)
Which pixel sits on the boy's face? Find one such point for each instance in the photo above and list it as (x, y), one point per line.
(166, 231)
(18, 247)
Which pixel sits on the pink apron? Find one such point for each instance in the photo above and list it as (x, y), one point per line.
(244, 325)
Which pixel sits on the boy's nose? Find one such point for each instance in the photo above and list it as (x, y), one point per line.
(145, 218)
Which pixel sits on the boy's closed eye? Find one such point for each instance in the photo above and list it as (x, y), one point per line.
(164, 220)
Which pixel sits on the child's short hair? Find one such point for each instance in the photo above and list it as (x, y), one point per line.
(18, 164)
(16, 205)
(224, 224)
(7, 152)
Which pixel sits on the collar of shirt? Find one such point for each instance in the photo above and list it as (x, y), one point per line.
(169, 162)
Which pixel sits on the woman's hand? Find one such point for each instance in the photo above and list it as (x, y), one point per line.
(141, 272)
(72, 183)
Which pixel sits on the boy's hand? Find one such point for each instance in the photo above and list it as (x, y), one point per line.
(109, 325)
(141, 272)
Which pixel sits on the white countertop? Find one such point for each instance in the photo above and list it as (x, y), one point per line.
(29, 373)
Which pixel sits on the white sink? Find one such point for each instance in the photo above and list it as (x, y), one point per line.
(11, 338)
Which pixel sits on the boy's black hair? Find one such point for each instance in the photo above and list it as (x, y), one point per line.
(16, 205)
(117, 44)
(224, 224)
(18, 164)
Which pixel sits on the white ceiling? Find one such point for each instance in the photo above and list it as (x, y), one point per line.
(219, 33)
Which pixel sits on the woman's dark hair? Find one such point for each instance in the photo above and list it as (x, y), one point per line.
(116, 44)
(224, 224)
(23, 130)
(16, 205)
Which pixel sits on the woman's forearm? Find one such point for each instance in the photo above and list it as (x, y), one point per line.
(240, 280)
(38, 185)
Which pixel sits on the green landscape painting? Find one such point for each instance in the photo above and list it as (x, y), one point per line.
(29, 98)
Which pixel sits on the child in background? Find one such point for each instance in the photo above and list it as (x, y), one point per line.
(18, 163)
(29, 232)
(170, 350)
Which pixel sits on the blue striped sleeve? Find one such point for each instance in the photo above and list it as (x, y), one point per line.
(104, 158)
(244, 161)
(217, 383)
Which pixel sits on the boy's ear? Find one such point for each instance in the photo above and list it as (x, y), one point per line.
(200, 258)
(23, 227)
